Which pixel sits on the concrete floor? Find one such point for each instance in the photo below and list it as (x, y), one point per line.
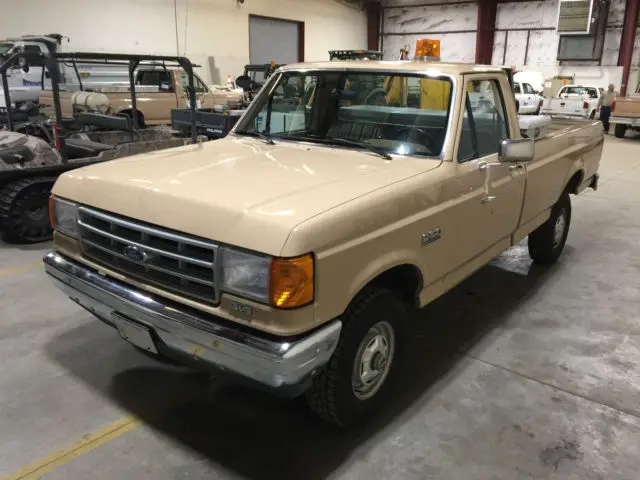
(517, 373)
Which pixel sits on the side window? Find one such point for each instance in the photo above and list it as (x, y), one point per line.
(286, 110)
(159, 78)
(484, 123)
(516, 88)
(527, 88)
(199, 86)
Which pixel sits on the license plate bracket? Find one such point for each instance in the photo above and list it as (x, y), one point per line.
(135, 333)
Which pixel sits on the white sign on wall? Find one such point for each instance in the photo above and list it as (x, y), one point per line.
(575, 17)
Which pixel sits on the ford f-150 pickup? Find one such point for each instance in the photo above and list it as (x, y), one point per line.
(290, 253)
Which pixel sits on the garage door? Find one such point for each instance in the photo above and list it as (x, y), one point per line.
(273, 40)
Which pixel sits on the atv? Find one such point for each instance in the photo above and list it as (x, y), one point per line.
(34, 153)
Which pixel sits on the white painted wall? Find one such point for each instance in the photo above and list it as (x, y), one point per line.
(425, 21)
(218, 28)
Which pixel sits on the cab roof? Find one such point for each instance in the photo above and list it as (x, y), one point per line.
(399, 65)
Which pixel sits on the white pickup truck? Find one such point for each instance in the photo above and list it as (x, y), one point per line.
(529, 101)
(574, 101)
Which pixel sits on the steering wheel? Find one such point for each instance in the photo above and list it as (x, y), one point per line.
(425, 138)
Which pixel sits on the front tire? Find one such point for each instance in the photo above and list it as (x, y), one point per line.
(620, 130)
(548, 240)
(24, 210)
(357, 379)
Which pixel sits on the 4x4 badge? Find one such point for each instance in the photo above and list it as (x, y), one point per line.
(431, 236)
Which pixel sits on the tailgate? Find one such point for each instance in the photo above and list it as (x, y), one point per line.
(627, 107)
(565, 106)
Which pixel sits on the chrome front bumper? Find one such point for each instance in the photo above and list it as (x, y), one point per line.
(196, 338)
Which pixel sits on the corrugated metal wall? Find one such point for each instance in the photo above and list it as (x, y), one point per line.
(404, 23)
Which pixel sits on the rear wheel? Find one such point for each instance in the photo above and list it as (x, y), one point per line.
(548, 240)
(593, 115)
(357, 379)
(24, 210)
(620, 130)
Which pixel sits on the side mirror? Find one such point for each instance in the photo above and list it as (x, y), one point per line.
(244, 82)
(512, 151)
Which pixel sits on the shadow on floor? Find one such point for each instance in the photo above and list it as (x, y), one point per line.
(259, 436)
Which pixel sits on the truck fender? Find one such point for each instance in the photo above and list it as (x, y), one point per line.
(387, 263)
(576, 168)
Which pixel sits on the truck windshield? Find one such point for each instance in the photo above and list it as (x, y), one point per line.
(400, 114)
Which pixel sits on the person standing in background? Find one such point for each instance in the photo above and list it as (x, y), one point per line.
(605, 102)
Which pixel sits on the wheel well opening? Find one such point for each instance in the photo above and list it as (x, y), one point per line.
(575, 182)
(404, 280)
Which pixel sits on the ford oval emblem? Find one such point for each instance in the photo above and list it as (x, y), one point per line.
(135, 254)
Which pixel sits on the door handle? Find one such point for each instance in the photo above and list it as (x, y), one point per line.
(486, 166)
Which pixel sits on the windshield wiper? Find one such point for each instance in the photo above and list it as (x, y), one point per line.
(254, 133)
(364, 145)
(344, 141)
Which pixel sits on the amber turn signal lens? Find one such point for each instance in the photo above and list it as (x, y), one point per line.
(51, 217)
(428, 48)
(292, 282)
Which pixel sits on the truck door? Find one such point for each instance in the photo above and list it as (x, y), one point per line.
(530, 95)
(481, 221)
(204, 99)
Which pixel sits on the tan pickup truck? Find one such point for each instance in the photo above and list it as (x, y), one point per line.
(158, 91)
(290, 253)
(625, 114)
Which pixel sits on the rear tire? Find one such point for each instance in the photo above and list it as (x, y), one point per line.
(620, 130)
(548, 240)
(593, 115)
(357, 379)
(24, 210)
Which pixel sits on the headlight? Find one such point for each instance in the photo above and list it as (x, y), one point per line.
(64, 216)
(280, 282)
(246, 274)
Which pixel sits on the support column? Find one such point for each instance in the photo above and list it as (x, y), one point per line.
(627, 40)
(487, 11)
(374, 11)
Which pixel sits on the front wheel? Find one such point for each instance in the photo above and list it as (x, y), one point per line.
(548, 240)
(357, 378)
(24, 210)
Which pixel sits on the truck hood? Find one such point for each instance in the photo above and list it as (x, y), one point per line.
(238, 191)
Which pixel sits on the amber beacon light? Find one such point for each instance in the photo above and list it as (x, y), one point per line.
(427, 49)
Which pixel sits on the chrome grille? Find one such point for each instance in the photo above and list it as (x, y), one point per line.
(171, 261)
